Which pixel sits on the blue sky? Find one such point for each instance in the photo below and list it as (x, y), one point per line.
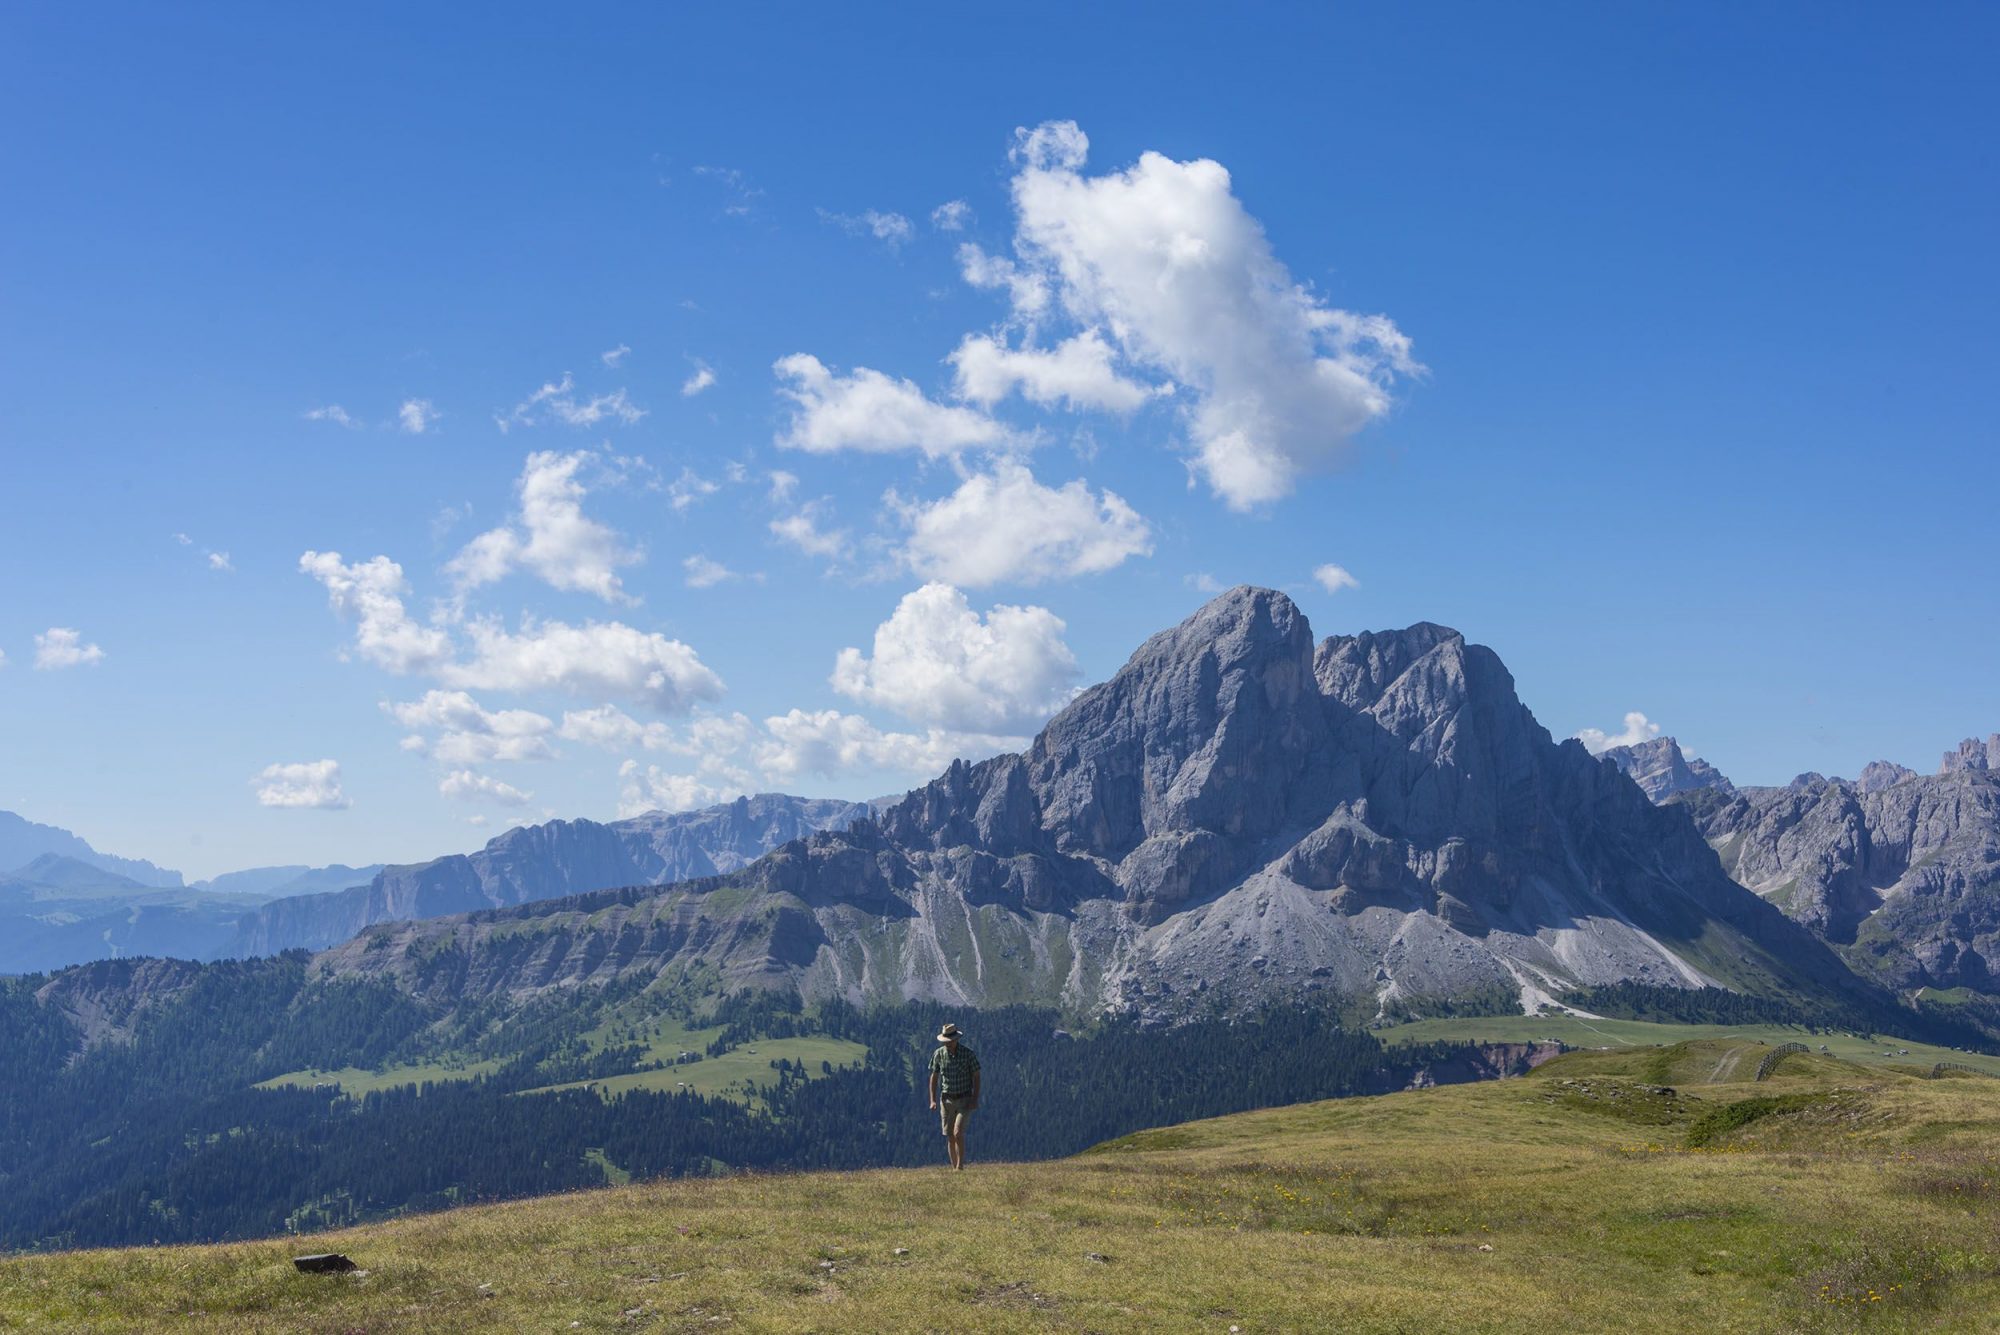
(1652, 348)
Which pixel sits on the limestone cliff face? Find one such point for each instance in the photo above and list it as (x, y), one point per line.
(1661, 769)
(1904, 878)
(536, 862)
(1238, 815)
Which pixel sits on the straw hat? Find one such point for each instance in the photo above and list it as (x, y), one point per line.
(948, 1033)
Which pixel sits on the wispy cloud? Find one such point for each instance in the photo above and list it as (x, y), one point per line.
(334, 413)
(891, 229)
(558, 401)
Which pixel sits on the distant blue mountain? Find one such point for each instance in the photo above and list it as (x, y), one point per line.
(23, 840)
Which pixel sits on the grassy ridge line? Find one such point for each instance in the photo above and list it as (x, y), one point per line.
(1567, 1200)
(1579, 1033)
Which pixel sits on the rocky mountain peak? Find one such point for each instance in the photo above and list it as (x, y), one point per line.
(1662, 769)
(1202, 728)
(1880, 774)
(1973, 754)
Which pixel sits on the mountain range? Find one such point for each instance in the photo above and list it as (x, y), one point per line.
(53, 918)
(23, 840)
(538, 862)
(1239, 815)
(1898, 872)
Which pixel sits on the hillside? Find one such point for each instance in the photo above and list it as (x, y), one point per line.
(1660, 1189)
(59, 910)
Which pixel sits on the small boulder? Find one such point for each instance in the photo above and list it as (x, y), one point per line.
(323, 1263)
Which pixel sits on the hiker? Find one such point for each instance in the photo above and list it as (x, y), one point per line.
(954, 1089)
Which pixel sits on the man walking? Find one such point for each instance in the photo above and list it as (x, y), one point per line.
(954, 1089)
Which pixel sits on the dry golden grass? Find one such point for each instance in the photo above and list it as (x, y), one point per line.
(1871, 1202)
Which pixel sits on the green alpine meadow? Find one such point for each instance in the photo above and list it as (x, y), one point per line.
(1651, 1188)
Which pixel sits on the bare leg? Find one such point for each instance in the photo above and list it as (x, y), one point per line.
(958, 1147)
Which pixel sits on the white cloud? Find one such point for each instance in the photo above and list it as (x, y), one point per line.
(938, 662)
(183, 539)
(608, 659)
(613, 729)
(417, 416)
(830, 744)
(470, 734)
(219, 561)
(873, 412)
(1004, 526)
(60, 647)
(333, 413)
(1050, 146)
(703, 377)
(688, 488)
(1077, 373)
(1638, 728)
(464, 786)
(1203, 582)
(1027, 289)
(3, 658)
(951, 216)
(783, 485)
(653, 789)
(1165, 257)
(703, 573)
(371, 592)
(615, 358)
(1334, 578)
(309, 783)
(891, 229)
(802, 530)
(557, 401)
(552, 537)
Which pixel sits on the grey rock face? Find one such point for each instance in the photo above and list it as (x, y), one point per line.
(536, 862)
(1661, 769)
(1237, 815)
(1880, 774)
(1904, 878)
(1973, 754)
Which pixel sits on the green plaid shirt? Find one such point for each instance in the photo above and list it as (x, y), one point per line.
(954, 1071)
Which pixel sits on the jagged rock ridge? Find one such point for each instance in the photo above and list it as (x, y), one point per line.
(1661, 769)
(1238, 811)
(1904, 878)
(536, 862)
(1900, 872)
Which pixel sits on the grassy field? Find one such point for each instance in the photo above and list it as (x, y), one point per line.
(736, 1073)
(356, 1082)
(1607, 1191)
(1579, 1033)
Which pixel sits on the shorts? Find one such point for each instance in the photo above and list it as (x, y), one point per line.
(953, 1113)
